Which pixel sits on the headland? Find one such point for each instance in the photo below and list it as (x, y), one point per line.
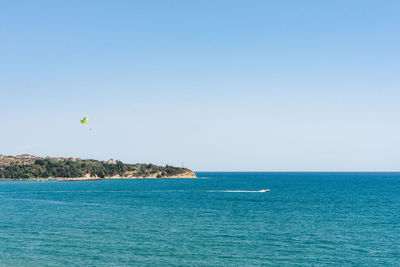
(31, 167)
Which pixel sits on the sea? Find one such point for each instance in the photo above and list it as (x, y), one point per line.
(219, 219)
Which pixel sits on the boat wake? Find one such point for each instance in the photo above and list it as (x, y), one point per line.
(238, 191)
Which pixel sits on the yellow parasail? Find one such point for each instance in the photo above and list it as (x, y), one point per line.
(85, 120)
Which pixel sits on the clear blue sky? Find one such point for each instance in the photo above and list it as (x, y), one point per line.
(218, 85)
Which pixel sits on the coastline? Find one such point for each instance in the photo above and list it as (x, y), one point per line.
(20, 167)
(186, 175)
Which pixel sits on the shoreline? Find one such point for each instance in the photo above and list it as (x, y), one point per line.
(77, 179)
(76, 169)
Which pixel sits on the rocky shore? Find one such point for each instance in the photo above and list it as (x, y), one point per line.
(187, 174)
(29, 167)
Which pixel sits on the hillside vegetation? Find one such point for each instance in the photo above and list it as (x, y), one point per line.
(48, 168)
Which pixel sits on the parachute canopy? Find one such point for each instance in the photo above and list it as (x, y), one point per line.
(85, 120)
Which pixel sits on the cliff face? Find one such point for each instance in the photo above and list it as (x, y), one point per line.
(129, 175)
(132, 175)
(185, 174)
(32, 167)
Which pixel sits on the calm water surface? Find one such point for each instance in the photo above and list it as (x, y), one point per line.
(341, 219)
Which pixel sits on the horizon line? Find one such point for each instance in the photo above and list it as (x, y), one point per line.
(307, 171)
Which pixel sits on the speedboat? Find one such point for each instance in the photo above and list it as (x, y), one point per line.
(264, 190)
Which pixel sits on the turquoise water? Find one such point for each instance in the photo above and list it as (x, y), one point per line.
(342, 219)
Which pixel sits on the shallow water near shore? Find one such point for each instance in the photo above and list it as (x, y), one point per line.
(306, 219)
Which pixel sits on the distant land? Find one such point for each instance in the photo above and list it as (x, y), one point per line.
(31, 167)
